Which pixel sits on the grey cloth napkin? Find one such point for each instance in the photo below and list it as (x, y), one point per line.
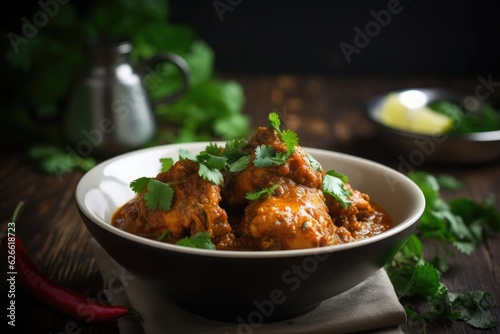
(371, 306)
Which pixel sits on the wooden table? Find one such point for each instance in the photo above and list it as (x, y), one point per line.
(325, 112)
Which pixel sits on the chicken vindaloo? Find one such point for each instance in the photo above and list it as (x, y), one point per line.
(264, 193)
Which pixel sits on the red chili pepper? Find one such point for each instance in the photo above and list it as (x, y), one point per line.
(69, 302)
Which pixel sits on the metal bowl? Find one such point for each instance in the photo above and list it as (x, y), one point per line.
(445, 149)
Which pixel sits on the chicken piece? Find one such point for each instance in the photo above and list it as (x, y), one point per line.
(195, 208)
(297, 168)
(294, 217)
(362, 218)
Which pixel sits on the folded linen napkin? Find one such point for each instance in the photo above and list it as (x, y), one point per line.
(372, 306)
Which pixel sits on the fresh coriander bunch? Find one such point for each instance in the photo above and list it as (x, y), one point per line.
(212, 108)
(459, 225)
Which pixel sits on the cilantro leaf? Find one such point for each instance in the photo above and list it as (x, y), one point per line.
(440, 264)
(449, 182)
(441, 306)
(214, 159)
(484, 118)
(209, 165)
(159, 195)
(291, 140)
(56, 161)
(314, 163)
(424, 281)
(473, 308)
(261, 194)
(266, 156)
(138, 185)
(263, 156)
(210, 174)
(211, 161)
(483, 213)
(185, 154)
(464, 246)
(410, 253)
(429, 186)
(235, 147)
(333, 185)
(274, 121)
(240, 164)
(163, 235)
(166, 164)
(198, 240)
(341, 176)
(214, 149)
(280, 157)
(289, 137)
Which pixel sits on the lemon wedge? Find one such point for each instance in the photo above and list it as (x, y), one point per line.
(420, 120)
(427, 121)
(394, 114)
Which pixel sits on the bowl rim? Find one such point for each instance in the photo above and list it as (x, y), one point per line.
(484, 136)
(417, 211)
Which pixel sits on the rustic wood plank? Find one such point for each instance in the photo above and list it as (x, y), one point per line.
(326, 112)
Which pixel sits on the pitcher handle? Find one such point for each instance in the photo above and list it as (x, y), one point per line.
(180, 63)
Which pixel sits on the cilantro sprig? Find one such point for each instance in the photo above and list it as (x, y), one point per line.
(215, 159)
(266, 156)
(334, 185)
(459, 223)
(158, 195)
(262, 193)
(212, 161)
(138, 185)
(197, 240)
(289, 137)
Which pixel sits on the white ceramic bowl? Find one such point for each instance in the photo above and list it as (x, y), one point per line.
(225, 285)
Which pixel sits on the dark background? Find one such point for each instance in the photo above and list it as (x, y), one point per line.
(447, 38)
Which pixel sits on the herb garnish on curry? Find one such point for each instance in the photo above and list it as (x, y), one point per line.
(264, 193)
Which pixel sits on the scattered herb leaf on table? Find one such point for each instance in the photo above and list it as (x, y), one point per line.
(458, 223)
